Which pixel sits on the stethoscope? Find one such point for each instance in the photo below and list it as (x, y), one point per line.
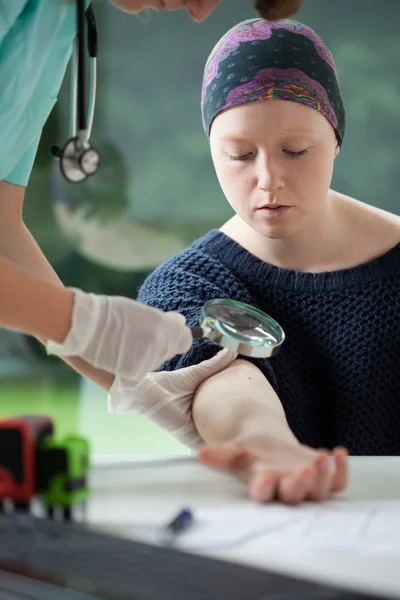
(78, 158)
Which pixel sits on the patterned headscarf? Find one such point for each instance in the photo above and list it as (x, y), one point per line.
(286, 60)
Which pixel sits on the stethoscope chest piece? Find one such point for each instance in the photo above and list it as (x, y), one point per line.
(78, 160)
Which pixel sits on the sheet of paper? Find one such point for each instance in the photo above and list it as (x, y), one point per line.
(335, 526)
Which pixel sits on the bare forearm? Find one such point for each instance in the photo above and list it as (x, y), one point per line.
(238, 402)
(39, 265)
(18, 246)
(33, 306)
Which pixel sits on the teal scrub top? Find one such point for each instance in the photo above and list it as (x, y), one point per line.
(36, 40)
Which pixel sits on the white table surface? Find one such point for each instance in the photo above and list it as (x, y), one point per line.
(140, 494)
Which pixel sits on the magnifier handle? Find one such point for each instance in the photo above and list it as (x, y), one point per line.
(198, 332)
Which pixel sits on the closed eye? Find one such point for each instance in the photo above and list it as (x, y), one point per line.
(296, 154)
(240, 158)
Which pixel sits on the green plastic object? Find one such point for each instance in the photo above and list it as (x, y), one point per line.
(64, 468)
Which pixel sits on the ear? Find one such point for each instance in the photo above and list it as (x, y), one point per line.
(337, 150)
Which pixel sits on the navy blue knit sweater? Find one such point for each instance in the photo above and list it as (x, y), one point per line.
(338, 371)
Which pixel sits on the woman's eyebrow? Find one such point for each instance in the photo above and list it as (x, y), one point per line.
(297, 130)
(232, 137)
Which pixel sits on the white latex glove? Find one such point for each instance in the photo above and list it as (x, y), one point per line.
(166, 397)
(121, 336)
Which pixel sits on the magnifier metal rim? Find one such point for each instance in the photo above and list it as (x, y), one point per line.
(229, 341)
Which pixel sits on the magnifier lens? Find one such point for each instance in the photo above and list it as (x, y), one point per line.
(241, 327)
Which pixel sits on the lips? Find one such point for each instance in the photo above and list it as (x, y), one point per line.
(274, 210)
(273, 206)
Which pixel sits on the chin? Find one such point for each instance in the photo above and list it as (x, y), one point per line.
(275, 232)
(276, 229)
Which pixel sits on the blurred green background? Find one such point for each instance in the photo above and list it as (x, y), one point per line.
(157, 190)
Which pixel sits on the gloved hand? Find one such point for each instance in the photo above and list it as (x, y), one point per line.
(121, 336)
(166, 397)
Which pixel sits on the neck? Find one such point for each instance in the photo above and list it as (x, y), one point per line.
(317, 247)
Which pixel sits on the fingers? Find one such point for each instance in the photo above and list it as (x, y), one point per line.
(200, 9)
(262, 486)
(331, 473)
(188, 379)
(294, 488)
(313, 482)
(323, 477)
(341, 477)
(212, 366)
(327, 472)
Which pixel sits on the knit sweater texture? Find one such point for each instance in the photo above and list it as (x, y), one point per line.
(338, 372)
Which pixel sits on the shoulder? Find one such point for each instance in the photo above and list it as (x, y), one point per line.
(372, 230)
(189, 278)
(193, 261)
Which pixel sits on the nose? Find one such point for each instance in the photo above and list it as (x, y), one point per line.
(200, 9)
(269, 178)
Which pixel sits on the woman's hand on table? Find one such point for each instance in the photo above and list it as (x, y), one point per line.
(286, 471)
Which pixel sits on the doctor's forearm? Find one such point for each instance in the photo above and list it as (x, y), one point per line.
(37, 307)
(239, 402)
(42, 268)
(18, 246)
(33, 306)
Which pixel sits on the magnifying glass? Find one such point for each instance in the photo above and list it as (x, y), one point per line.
(239, 327)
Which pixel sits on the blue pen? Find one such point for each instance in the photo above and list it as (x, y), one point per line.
(180, 523)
